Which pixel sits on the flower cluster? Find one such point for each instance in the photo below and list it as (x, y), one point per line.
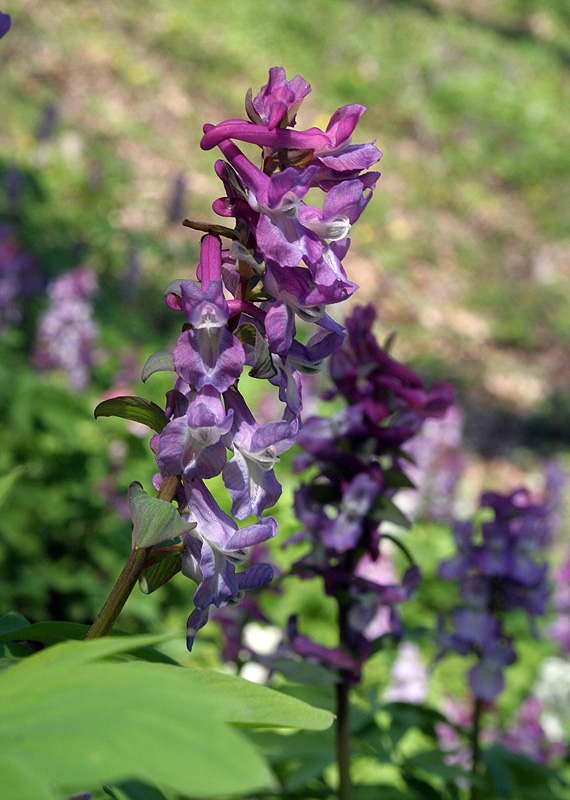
(66, 332)
(439, 463)
(19, 278)
(497, 570)
(283, 262)
(358, 456)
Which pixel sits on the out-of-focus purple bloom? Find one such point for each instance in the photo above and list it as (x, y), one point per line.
(408, 676)
(175, 202)
(343, 507)
(439, 463)
(5, 23)
(48, 123)
(66, 334)
(526, 734)
(497, 571)
(19, 278)
(559, 630)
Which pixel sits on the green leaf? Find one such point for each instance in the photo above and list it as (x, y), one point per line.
(8, 481)
(12, 621)
(397, 479)
(158, 574)
(154, 520)
(18, 783)
(134, 790)
(73, 727)
(246, 333)
(72, 720)
(137, 409)
(304, 672)
(157, 362)
(433, 762)
(49, 633)
(266, 707)
(385, 510)
(263, 364)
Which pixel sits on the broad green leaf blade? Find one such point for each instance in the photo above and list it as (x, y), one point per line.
(18, 783)
(154, 520)
(49, 633)
(78, 653)
(95, 722)
(156, 576)
(157, 362)
(265, 707)
(137, 409)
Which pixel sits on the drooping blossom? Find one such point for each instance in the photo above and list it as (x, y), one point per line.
(67, 333)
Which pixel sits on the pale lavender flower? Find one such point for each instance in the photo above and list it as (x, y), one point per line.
(408, 676)
(66, 334)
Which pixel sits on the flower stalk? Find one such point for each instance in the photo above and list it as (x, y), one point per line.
(131, 572)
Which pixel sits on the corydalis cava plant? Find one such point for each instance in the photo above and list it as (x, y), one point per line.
(358, 465)
(281, 261)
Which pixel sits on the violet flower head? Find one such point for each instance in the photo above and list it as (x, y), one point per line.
(499, 568)
(66, 333)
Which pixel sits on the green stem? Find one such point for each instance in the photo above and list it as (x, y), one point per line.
(343, 713)
(136, 563)
(476, 746)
